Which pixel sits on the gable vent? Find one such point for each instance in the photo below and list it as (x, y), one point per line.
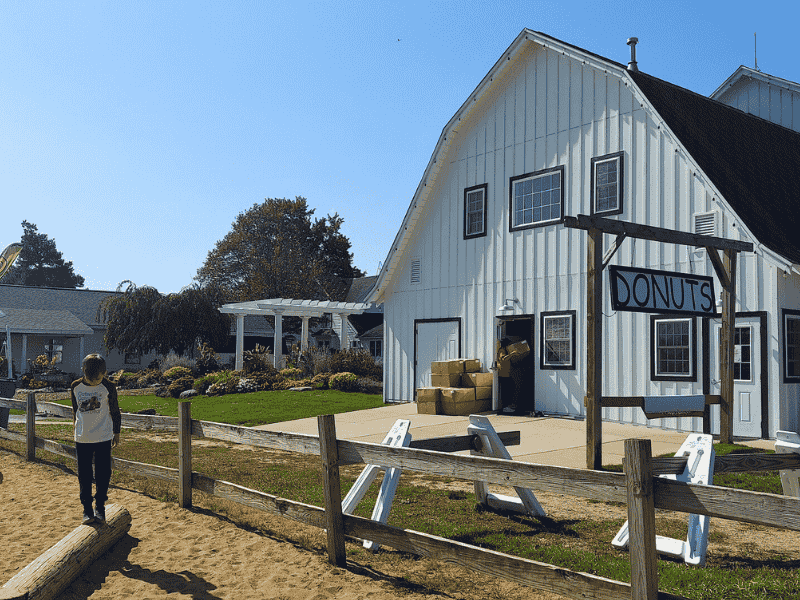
(415, 270)
(707, 223)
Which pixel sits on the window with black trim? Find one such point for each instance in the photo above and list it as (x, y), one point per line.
(791, 346)
(673, 343)
(133, 359)
(54, 350)
(557, 340)
(475, 211)
(742, 353)
(607, 182)
(537, 199)
(376, 348)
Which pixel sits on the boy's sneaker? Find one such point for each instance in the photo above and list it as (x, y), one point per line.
(100, 513)
(88, 516)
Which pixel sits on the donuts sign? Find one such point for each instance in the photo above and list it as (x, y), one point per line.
(647, 290)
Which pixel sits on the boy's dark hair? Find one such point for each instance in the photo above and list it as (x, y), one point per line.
(94, 366)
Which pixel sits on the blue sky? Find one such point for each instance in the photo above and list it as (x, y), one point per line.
(134, 133)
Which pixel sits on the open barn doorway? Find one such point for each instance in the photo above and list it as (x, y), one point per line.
(516, 394)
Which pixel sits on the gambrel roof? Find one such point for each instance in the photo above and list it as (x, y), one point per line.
(752, 163)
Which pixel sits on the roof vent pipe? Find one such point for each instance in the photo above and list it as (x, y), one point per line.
(632, 41)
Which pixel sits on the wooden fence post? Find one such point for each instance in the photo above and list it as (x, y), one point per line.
(638, 467)
(185, 454)
(30, 427)
(329, 453)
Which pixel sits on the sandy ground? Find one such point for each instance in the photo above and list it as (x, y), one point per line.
(174, 553)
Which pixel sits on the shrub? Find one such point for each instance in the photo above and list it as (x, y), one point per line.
(259, 359)
(232, 385)
(344, 382)
(177, 372)
(265, 381)
(149, 378)
(288, 384)
(246, 386)
(28, 382)
(208, 361)
(173, 360)
(356, 361)
(320, 381)
(201, 384)
(291, 373)
(216, 389)
(180, 385)
(126, 380)
(369, 386)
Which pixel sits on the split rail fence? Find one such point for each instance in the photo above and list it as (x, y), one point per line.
(639, 487)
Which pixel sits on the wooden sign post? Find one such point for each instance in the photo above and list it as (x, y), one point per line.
(596, 262)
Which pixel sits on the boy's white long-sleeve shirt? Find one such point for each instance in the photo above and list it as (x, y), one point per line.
(97, 415)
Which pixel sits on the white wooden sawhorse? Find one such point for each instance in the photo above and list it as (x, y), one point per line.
(787, 442)
(491, 445)
(699, 450)
(398, 436)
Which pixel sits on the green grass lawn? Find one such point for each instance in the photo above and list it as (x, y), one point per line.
(257, 408)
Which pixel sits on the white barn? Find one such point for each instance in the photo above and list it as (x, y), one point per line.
(555, 130)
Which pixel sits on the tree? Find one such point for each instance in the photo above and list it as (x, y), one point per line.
(274, 250)
(142, 320)
(40, 264)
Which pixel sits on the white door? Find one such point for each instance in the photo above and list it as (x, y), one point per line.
(434, 341)
(746, 377)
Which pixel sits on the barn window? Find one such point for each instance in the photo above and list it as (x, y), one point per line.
(607, 184)
(537, 199)
(557, 340)
(475, 211)
(673, 343)
(791, 346)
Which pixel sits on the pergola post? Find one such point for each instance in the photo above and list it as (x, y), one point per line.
(277, 351)
(304, 336)
(8, 352)
(343, 334)
(239, 342)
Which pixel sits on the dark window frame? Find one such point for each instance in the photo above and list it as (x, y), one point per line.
(620, 158)
(573, 335)
(794, 315)
(533, 175)
(693, 343)
(376, 348)
(485, 188)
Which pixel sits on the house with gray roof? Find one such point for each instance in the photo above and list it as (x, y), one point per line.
(59, 323)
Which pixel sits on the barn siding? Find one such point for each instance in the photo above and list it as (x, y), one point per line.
(776, 104)
(547, 110)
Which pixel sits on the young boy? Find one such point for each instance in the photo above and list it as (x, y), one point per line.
(97, 422)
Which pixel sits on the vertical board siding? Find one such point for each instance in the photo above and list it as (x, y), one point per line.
(549, 110)
(771, 102)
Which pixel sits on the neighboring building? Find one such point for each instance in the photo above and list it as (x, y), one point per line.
(60, 323)
(555, 130)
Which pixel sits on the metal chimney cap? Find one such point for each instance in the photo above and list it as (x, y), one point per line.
(632, 66)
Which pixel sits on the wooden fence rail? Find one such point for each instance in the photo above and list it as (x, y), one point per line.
(639, 488)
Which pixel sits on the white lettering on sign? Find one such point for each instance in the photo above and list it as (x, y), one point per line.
(647, 290)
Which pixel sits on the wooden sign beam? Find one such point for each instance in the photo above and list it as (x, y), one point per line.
(726, 344)
(656, 234)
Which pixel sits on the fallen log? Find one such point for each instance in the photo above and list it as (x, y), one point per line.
(58, 567)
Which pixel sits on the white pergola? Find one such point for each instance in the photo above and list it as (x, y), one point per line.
(289, 307)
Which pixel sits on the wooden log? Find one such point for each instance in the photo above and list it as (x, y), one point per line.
(30, 427)
(726, 347)
(641, 519)
(185, 454)
(56, 569)
(332, 487)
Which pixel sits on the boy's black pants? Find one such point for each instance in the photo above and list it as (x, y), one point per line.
(101, 451)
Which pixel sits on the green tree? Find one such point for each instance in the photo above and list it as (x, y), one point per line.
(40, 264)
(141, 320)
(275, 250)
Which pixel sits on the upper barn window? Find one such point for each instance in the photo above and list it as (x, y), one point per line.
(537, 198)
(475, 211)
(607, 184)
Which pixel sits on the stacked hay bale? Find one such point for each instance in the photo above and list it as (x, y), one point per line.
(458, 388)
